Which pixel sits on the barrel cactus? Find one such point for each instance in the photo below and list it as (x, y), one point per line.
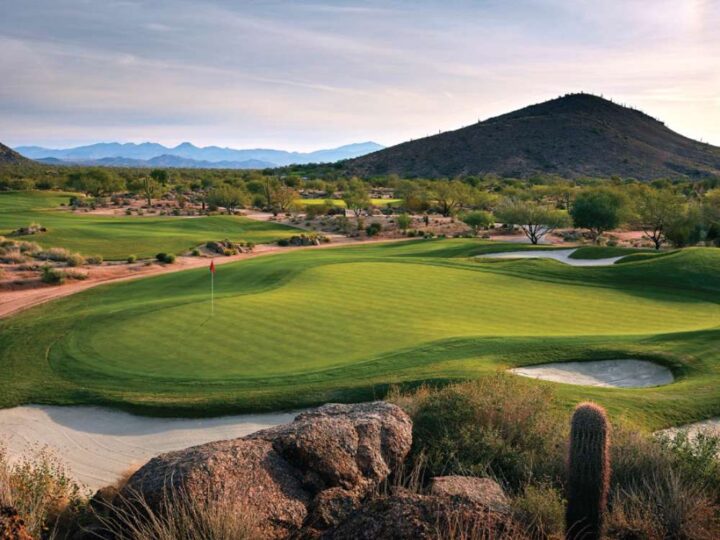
(588, 473)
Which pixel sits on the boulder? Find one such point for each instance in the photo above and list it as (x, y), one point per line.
(310, 473)
(480, 490)
(12, 526)
(406, 515)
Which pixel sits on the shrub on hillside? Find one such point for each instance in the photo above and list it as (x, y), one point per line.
(373, 229)
(95, 259)
(131, 259)
(52, 276)
(167, 258)
(75, 259)
(54, 254)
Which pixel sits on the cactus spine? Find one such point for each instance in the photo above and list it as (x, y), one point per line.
(588, 473)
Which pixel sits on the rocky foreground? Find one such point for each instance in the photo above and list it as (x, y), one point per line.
(334, 472)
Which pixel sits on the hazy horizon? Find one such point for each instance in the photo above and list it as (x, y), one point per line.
(305, 76)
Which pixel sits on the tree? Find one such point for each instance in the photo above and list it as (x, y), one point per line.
(228, 197)
(283, 197)
(160, 176)
(403, 222)
(535, 219)
(598, 210)
(96, 182)
(150, 188)
(451, 196)
(655, 211)
(687, 229)
(477, 220)
(415, 197)
(356, 196)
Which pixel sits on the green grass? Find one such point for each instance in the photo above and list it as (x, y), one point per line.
(116, 237)
(301, 328)
(340, 203)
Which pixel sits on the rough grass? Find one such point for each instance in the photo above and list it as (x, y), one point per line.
(116, 237)
(301, 328)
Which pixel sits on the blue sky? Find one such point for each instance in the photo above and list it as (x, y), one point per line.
(303, 75)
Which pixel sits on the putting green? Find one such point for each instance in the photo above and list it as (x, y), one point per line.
(116, 237)
(340, 324)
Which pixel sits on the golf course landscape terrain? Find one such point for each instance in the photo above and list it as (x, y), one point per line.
(116, 237)
(295, 329)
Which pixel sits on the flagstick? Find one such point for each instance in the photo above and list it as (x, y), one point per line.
(212, 293)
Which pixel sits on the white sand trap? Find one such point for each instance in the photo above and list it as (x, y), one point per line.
(98, 444)
(606, 373)
(562, 255)
(706, 427)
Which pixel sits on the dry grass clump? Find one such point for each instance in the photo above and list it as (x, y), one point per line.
(41, 491)
(179, 517)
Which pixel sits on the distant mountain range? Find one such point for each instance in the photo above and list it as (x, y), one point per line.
(572, 136)
(187, 155)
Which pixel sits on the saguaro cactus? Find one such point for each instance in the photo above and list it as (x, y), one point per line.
(588, 473)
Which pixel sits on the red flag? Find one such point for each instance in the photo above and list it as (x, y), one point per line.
(212, 266)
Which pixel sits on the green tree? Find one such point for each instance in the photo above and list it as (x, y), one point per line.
(451, 196)
(228, 197)
(479, 219)
(403, 222)
(655, 211)
(356, 196)
(284, 197)
(96, 182)
(599, 210)
(534, 219)
(161, 176)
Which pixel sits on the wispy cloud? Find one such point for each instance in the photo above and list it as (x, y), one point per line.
(302, 75)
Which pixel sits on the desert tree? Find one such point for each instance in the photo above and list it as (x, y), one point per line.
(284, 197)
(414, 195)
(161, 176)
(599, 210)
(403, 222)
(96, 182)
(356, 196)
(534, 219)
(451, 196)
(479, 219)
(228, 197)
(655, 211)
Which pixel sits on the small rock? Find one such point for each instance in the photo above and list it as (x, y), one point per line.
(479, 490)
(12, 526)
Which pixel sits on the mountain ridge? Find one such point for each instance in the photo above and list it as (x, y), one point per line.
(142, 154)
(576, 135)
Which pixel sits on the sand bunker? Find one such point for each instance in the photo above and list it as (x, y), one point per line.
(706, 427)
(562, 255)
(98, 444)
(606, 373)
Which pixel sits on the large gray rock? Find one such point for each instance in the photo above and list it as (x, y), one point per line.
(312, 472)
(480, 490)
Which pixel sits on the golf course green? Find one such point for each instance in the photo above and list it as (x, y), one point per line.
(295, 329)
(116, 237)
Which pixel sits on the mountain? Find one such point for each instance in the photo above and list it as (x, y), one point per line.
(10, 156)
(573, 136)
(188, 155)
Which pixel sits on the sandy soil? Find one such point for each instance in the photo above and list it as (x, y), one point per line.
(562, 255)
(706, 427)
(98, 445)
(605, 373)
(14, 301)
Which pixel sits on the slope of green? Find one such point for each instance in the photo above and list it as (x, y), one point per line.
(116, 237)
(296, 329)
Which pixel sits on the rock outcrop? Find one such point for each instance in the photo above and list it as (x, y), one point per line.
(483, 491)
(310, 474)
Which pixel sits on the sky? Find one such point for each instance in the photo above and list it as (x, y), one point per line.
(302, 75)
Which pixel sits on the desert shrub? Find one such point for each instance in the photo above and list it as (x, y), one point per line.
(541, 509)
(41, 491)
(95, 259)
(12, 256)
(373, 229)
(178, 516)
(28, 247)
(75, 259)
(250, 245)
(664, 506)
(51, 275)
(195, 252)
(499, 426)
(131, 259)
(283, 242)
(54, 254)
(161, 257)
(73, 274)
(696, 458)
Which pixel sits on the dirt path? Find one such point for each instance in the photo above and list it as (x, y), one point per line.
(13, 302)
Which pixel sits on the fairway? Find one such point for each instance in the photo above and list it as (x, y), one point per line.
(340, 324)
(116, 237)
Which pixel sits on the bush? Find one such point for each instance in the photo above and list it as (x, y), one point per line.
(161, 256)
(195, 252)
(373, 229)
(75, 259)
(95, 259)
(52, 275)
(54, 254)
(497, 426)
(542, 510)
(169, 258)
(283, 242)
(131, 259)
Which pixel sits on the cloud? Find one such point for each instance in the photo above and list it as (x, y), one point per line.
(299, 75)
